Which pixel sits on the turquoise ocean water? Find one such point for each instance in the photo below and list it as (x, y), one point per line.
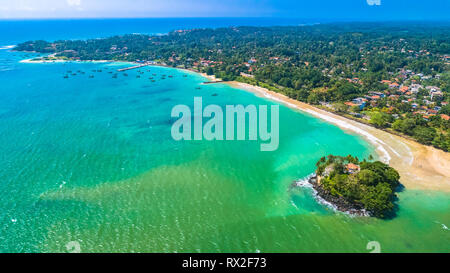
(92, 160)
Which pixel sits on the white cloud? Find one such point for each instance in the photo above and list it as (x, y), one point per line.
(74, 2)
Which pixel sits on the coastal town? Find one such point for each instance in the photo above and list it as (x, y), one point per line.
(404, 94)
(425, 101)
(226, 135)
(399, 82)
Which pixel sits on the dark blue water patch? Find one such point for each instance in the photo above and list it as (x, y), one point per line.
(147, 92)
(408, 245)
(157, 90)
(134, 101)
(144, 125)
(107, 100)
(165, 100)
(12, 113)
(166, 122)
(6, 65)
(52, 201)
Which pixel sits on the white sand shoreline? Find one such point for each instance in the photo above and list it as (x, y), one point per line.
(7, 47)
(381, 151)
(34, 61)
(343, 124)
(420, 167)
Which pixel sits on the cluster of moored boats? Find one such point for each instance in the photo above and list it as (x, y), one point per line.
(75, 73)
(115, 75)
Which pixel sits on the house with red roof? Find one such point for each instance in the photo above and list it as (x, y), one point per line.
(404, 89)
(394, 85)
(445, 117)
(352, 168)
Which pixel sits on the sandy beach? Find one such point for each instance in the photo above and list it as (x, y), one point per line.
(33, 61)
(420, 167)
(7, 47)
(37, 61)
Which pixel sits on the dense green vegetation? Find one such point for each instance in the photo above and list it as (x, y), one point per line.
(328, 64)
(373, 186)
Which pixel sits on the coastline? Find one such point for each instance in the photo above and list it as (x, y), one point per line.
(32, 61)
(7, 47)
(420, 167)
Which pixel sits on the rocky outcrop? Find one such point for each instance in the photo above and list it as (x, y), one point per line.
(338, 202)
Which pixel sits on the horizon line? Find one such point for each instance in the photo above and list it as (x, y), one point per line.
(330, 20)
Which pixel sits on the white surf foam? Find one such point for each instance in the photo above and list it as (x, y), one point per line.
(304, 183)
(444, 227)
(379, 144)
(6, 47)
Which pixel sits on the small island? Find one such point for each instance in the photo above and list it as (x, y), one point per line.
(357, 187)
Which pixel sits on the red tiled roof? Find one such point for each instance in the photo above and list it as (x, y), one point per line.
(352, 166)
(445, 117)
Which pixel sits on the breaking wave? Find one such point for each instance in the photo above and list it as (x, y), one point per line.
(7, 47)
(304, 183)
(343, 124)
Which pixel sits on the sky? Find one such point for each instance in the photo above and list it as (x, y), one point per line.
(313, 9)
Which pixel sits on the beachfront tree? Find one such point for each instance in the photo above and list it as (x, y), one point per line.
(341, 107)
(424, 135)
(405, 126)
(313, 98)
(378, 119)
